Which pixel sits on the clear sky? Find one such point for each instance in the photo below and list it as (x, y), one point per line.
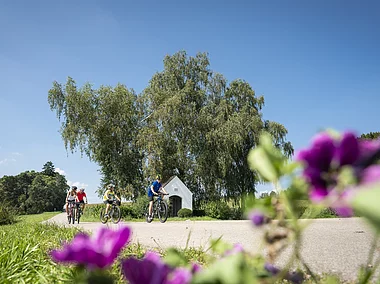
(316, 62)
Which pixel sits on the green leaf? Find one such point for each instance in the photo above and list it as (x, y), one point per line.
(219, 246)
(175, 258)
(366, 203)
(260, 161)
(228, 270)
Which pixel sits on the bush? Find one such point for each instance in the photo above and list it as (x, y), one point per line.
(7, 215)
(184, 213)
(199, 213)
(236, 213)
(138, 207)
(218, 210)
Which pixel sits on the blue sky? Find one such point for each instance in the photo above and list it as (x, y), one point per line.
(316, 62)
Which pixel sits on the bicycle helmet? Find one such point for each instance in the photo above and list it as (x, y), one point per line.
(158, 177)
(74, 187)
(111, 185)
(82, 189)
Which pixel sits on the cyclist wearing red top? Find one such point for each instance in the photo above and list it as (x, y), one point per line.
(80, 197)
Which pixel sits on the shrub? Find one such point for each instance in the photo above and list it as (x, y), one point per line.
(199, 212)
(7, 215)
(184, 213)
(218, 210)
(139, 206)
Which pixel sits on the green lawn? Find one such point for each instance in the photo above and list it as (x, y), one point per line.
(35, 218)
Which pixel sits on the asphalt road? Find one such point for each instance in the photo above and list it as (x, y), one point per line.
(329, 245)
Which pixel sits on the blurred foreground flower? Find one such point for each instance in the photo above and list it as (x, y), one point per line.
(151, 269)
(257, 217)
(96, 251)
(293, 277)
(334, 167)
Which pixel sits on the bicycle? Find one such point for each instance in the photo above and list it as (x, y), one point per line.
(79, 211)
(71, 211)
(160, 208)
(114, 213)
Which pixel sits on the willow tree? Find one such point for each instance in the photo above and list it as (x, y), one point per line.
(201, 129)
(102, 124)
(189, 121)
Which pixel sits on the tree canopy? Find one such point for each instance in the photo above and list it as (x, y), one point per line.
(34, 192)
(189, 121)
(370, 135)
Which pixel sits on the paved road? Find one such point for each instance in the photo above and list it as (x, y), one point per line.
(329, 245)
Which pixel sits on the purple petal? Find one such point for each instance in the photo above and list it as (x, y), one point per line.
(368, 147)
(348, 151)
(195, 268)
(344, 211)
(256, 217)
(179, 276)
(317, 194)
(321, 153)
(150, 269)
(237, 248)
(271, 268)
(371, 174)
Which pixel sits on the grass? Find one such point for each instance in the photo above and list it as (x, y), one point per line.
(25, 246)
(35, 218)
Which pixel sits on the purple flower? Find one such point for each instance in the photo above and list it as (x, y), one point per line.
(325, 159)
(96, 251)
(293, 277)
(371, 174)
(237, 248)
(256, 217)
(152, 270)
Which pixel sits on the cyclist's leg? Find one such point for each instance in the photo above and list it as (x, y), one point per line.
(108, 206)
(150, 205)
(67, 208)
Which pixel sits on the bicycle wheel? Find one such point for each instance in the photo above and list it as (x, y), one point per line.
(102, 218)
(162, 211)
(116, 215)
(148, 220)
(73, 212)
(79, 212)
(69, 218)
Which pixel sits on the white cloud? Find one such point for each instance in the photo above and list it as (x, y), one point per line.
(60, 171)
(5, 161)
(16, 154)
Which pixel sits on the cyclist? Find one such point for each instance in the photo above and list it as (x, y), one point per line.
(80, 198)
(154, 189)
(71, 197)
(109, 196)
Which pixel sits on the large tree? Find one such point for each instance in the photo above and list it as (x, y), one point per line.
(102, 123)
(189, 121)
(34, 192)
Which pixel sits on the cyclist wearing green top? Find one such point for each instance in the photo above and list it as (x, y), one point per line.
(109, 196)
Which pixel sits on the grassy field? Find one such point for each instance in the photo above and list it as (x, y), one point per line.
(25, 245)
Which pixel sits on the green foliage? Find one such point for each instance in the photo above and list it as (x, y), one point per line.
(34, 192)
(218, 210)
(185, 115)
(7, 215)
(25, 260)
(370, 135)
(184, 213)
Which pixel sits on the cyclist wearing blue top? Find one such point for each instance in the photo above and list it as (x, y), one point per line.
(154, 189)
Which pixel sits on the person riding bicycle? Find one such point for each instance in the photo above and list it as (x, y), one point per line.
(109, 197)
(71, 197)
(80, 198)
(155, 189)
